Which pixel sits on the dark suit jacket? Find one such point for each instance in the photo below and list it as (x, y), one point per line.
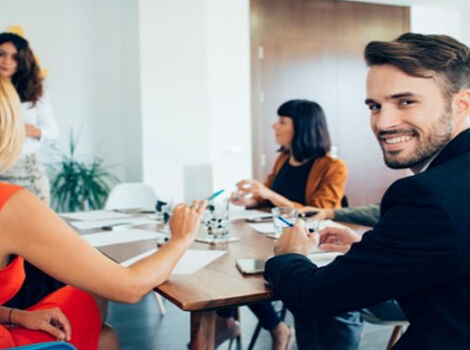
(418, 253)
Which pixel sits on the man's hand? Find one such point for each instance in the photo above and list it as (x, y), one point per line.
(296, 240)
(321, 214)
(184, 222)
(52, 321)
(32, 131)
(337, 239)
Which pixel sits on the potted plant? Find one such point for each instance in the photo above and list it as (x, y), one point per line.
(79, 184)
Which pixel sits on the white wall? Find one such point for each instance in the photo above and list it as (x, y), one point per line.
(151, 85)
(229, 84)
(80, 42)
(195, 84)
(437, 20)
(131, 142)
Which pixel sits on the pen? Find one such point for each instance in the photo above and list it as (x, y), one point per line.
(115, 226)
(288, 223)
(214, 195)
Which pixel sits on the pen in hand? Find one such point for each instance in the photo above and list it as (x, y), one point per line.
(290, 224)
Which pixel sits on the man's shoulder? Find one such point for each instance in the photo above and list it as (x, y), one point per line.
(439, 179)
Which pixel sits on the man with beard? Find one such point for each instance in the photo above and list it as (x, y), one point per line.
(419, 97)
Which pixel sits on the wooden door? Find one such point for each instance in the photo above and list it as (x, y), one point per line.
(313, 49)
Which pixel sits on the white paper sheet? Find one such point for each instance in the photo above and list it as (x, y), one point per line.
(264, 227)
(237, 213)
(114, 237)
(192, 260)
(268, 228)
(322, 259)
(95, 215)
(86, 225)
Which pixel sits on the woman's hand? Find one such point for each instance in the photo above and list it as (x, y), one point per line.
(255, 188)
(32, 131)
(52, 321)
(337, 239)
(184, 221)
(241, 198)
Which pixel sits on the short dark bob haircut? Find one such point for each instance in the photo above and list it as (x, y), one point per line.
(311, 137)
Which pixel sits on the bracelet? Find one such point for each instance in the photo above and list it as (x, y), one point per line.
(10, 322)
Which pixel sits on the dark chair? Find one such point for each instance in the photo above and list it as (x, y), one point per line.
(344, 202)
(238, 339)
(282, 315)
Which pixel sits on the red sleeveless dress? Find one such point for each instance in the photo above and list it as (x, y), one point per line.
(79, 307)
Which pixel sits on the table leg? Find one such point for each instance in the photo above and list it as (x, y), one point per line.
(202, 330)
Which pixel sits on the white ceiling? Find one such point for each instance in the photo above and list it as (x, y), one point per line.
(449, 4)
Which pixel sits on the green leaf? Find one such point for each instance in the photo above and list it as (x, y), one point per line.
(79, 184)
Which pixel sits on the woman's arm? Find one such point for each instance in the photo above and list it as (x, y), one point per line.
(5, 317)
(260, 193)
(30, 229)
(281, 201)
(46, 122)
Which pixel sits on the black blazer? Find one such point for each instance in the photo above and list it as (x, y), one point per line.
(418, 253)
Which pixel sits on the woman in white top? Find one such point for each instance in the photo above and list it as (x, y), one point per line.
(17, 63)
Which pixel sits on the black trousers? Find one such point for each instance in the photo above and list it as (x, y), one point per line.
(263, 310)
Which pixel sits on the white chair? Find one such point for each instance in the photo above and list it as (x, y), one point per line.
(134, 195)
(131, 195)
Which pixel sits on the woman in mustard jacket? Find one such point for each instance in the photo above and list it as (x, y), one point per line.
(304, 173)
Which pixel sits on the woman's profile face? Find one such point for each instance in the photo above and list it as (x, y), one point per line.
(8, 59)
(284, 131)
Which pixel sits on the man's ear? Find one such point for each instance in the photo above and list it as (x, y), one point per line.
(461, 104)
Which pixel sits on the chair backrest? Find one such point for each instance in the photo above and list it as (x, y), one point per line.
(344, 202)
(48, 346)
(131, 195)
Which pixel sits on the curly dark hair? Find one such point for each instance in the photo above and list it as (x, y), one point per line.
(27, 78)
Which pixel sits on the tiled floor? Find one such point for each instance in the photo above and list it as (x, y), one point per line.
(141, 327)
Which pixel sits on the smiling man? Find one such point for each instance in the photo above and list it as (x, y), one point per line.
(419, 98)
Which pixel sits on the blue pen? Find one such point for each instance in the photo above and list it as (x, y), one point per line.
(288, 223)
(214, 195)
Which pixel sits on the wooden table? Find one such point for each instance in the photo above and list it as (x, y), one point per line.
(217, 285)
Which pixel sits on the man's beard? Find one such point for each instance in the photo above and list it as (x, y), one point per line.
(428, 145)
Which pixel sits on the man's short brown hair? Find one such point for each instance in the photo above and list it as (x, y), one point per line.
(419, 55)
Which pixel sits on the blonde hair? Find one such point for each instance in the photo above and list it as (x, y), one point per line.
(12, 132)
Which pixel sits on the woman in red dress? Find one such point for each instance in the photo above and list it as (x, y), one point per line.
(32, 231)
